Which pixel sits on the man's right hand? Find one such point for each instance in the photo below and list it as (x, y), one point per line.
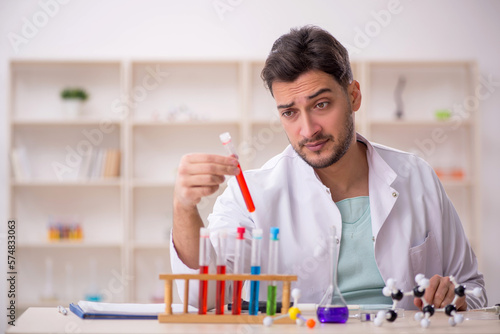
(200, 175)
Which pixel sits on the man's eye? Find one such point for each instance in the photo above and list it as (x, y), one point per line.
(322, 105)
(287, 113)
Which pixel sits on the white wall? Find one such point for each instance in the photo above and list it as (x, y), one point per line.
(195, 29)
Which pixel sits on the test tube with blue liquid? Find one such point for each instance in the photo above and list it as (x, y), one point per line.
(333, 308)
(253, 308)
(272, 269)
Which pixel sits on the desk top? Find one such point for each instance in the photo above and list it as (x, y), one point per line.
(49, 320)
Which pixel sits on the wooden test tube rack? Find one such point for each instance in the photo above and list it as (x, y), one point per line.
(228, 318)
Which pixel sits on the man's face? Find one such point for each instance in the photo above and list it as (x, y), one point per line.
(317, 115)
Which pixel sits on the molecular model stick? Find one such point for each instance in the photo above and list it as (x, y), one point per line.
(397, 295)
(293, 312)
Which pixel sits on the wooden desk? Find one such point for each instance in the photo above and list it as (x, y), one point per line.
(49, 320)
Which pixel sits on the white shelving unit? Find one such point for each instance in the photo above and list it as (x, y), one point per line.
(155, 111)
(53, 142)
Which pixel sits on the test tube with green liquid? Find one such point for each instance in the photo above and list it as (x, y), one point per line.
(273, 269)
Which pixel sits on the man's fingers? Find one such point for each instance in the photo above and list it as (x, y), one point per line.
(206, 191)
(192, 195)
(418, 302)
(443, 295)
(207, 168)
(200, 175)
(450, 294)
(461, 304)
(440, 292)
(196, 158)
(203, 180)
(430, 291)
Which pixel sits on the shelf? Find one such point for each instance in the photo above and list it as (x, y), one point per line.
(69, 244)
(69, 122)
(415, 63)
(275, 121)
(152, 183)
(422, 123)
(156, 152)
(456, 183)
(146, 123)
(143, 245)
(193, 89)
(81, 183)
(36, 87)
(64, 62)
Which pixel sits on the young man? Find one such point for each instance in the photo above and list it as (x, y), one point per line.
(393, 217)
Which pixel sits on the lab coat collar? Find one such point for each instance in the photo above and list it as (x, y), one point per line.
(380, 179)
(381, 170)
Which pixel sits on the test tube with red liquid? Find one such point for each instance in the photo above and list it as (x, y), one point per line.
(238, 269)
(220, 249)
(204, 262)
(225, 138)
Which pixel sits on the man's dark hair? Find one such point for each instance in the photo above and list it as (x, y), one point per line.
(305, 49)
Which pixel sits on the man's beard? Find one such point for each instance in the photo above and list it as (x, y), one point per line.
(342, 145)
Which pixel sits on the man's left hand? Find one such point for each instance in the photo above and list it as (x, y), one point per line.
(440, 293)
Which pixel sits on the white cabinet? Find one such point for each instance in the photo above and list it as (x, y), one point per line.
(154, 112)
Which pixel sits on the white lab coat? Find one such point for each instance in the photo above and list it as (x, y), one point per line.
(415, 226)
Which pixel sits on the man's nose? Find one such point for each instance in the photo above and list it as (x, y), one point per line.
(309, 127)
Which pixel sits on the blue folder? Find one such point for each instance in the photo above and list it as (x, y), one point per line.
(86, 315)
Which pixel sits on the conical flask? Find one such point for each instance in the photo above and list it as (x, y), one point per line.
(332, 308)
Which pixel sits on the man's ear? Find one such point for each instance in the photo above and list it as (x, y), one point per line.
(354, 95)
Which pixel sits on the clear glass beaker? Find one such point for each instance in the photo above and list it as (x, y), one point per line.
(332, 307)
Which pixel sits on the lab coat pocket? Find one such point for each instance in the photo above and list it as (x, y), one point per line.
(425, 258)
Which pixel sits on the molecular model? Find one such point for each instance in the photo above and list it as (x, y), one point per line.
(294, 314)
(451, 309)
(418, 291)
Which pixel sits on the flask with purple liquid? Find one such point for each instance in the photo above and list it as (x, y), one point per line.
(333, 308)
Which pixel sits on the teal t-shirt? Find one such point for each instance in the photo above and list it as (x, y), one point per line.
(358, 277)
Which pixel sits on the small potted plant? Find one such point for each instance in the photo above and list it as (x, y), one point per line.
(73, 100)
